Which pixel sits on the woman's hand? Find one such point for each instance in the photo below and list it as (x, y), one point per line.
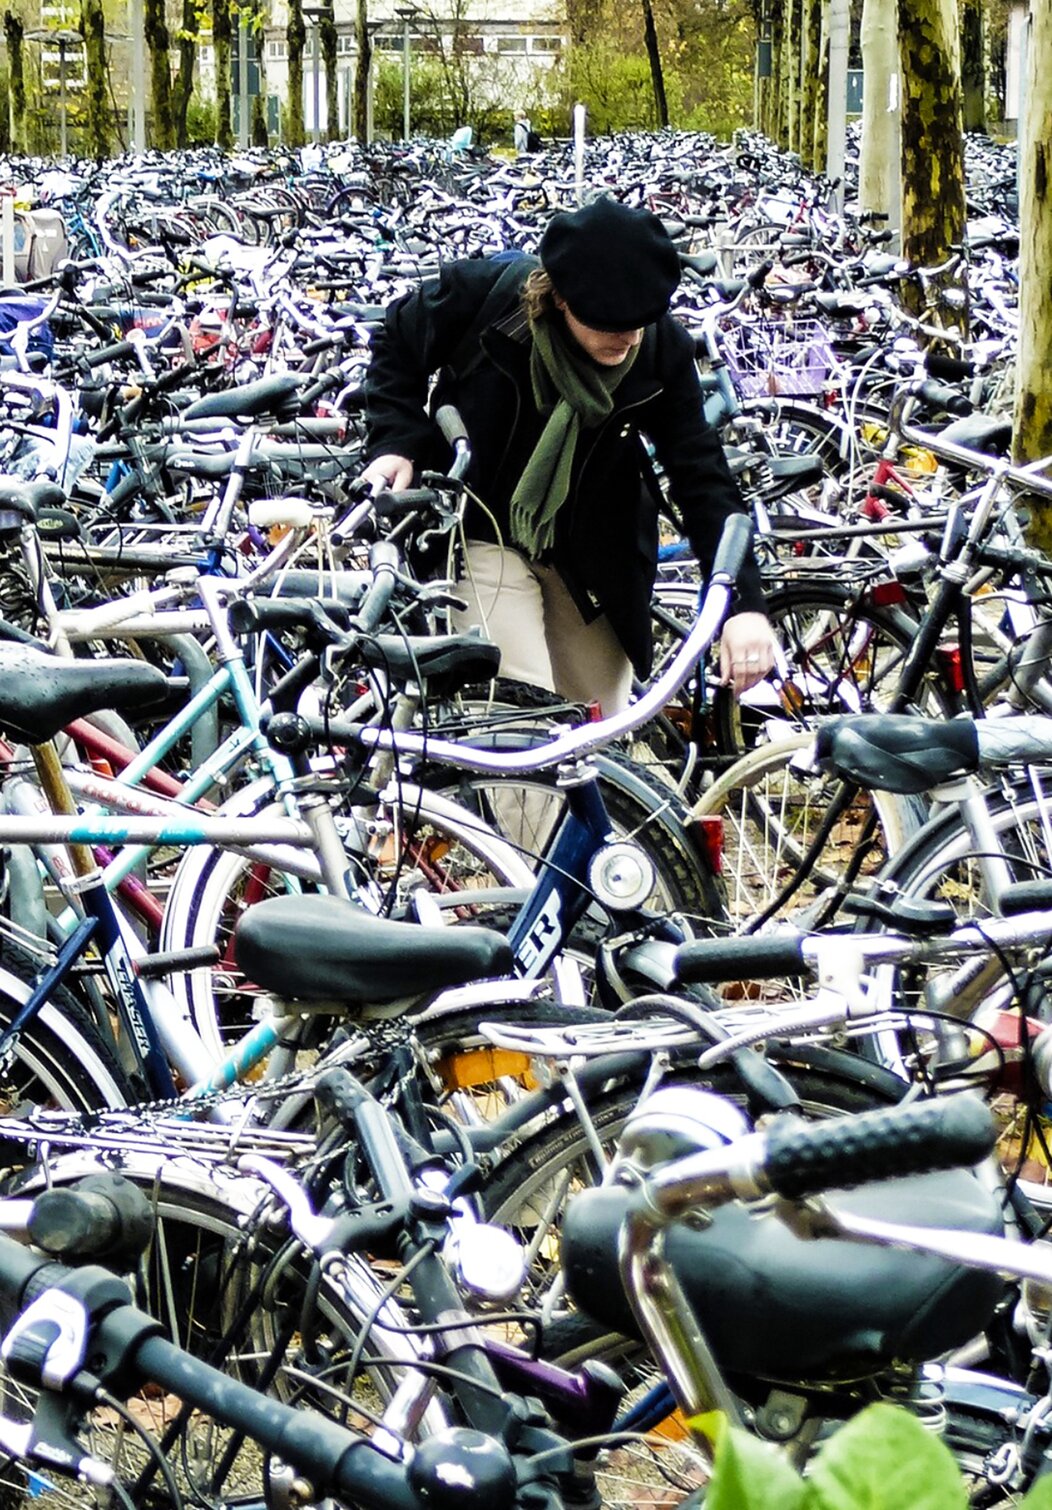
(746, 651)
(393, 472)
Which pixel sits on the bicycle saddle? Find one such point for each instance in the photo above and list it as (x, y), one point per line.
(887, 752)
(26, 499)
(277, 395)
(40, 693)
(324, 948)
(781, 1307)
(980, 432)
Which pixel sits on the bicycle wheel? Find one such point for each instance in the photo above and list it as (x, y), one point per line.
(432, 844)
(59, 1058)
(528, 1190)
(768, 807)
(843, 654)
(229, 1287)
(527, 810)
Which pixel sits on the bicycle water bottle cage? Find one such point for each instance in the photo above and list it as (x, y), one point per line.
(896, 753)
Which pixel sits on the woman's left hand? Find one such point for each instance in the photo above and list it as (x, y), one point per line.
(746, 651)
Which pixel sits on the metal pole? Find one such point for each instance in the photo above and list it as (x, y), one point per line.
(405, 77)
(836, 146)
(7, 240)
(242, 80)
(137, 28)
(62, 143)
(316, 78)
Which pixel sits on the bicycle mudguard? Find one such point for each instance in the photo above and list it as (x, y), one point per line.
(896, 753)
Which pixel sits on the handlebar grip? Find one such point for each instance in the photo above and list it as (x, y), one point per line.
(806, 1158)
(253, 615)
(758, 277)
(113, 353)
(947, 369)
(103, 1215)
(748, 957)
(733, 547)
(405, 501)
(940, 396)
(452, 426)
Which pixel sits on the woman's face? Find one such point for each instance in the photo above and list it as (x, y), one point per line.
(607, 347)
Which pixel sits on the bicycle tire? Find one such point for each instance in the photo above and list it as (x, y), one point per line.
(844, 654)
(58, 1059)
(546, 1165)
(208, 1257)
(768, 812)
(208, 895)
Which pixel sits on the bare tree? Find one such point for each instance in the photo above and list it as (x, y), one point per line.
(327, 37)
(973, 65)
(657, 77)
(221, 37)
(14, 31)
(880, 137)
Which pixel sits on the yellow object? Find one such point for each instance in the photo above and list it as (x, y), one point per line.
(460, 1072)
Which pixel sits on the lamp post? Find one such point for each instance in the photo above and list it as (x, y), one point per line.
(407, 12)
(63, 39)
(314, 14)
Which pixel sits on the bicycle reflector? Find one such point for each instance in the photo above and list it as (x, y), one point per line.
(621, 875)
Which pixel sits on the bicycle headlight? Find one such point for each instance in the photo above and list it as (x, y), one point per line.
(621, 875)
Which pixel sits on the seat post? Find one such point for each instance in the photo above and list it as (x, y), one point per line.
(60, 800)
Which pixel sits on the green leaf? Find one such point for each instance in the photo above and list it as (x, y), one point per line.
(751, 1475)
(885, 1460)
(1040, 1497)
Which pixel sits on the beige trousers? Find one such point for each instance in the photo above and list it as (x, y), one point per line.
(526, 609)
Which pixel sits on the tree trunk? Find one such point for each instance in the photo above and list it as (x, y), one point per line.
(973, 66)
(880, 144)
(13, 31)
(258, 134)
(933, 206)
(327, 30)
(92, 29)
(657, 77)
(183, 85)
(362, 66)
(296, 37)
(221, 34)
(1033, 406)
(155, 29)
(821, 126)
(810, 83)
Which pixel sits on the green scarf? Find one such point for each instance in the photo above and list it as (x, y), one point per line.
(575, 393)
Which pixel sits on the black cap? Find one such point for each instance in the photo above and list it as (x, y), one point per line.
(615, 266)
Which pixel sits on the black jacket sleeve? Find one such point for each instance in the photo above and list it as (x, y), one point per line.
(690, 452)
(421, 332)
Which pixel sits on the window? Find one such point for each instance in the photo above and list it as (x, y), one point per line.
(546, 44)
(511, 44)
(276, 49)
(345, 45)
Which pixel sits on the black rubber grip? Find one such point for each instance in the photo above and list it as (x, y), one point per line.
(804, 1158)
(253, 615)
(940, 396)
(1025, 896)
(388, 504)
(733, 547)
(947, 369)
(758, 276)
(113, 353)
(450, 423)
(748, 957)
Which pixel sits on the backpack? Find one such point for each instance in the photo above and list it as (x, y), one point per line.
(533, 141)
(40, 243)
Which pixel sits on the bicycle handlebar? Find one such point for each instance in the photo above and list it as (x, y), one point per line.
(793, 1158)
(576, 743)
(125, 1345)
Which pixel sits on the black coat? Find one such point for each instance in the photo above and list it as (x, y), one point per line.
(606, 533)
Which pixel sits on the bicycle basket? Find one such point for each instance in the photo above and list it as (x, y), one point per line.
(771, 357)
